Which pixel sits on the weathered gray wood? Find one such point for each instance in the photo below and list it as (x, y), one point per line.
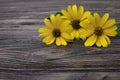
(24, 57)
(60, 76)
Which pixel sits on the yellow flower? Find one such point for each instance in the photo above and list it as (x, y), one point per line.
(56, 31)
(98, 29)
(76, 16)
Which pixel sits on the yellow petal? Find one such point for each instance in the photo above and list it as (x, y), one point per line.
(63, 42)
(97, 18)
(112, 28)
(109, 23)
(59, 20)
(64, 17)
(83, 37)
(72, 34)
(87, 26)
(85, 15)
(48, 40)
(88, 29)
(65, 13)
(83, 34)
(110, 31)
(43, 34)
(104, 19)
(91, 40)
(74, 9)
(103, 41)
(44, 30)
(80, 11)
(77, 36)
(81, 30)
(113, 33)
(70, 11)
(58, 41)
(69, 28)
(48, 23)
(65, 35)
(107, 39)
(92, 20)
(85, 20)
(51, 41)
(98, 43)
(65, 24)
(53, 19)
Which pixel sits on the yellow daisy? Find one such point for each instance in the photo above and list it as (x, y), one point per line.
(57, 30)
(98, 30)
(76, 16)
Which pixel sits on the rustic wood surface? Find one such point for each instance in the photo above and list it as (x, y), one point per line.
(24, 57)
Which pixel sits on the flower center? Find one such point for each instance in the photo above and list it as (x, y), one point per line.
(75, 24)
(56, 33)
(98, 31)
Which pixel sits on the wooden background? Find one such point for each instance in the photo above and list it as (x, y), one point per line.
(24, 57)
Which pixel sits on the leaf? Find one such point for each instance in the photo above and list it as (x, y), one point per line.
(56, 14)
(118, 30)
(48, 18)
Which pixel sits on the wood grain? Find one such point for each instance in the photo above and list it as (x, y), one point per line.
(24, 57)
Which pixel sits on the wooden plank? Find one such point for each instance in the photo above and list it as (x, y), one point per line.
(60, 76)
(24, 56)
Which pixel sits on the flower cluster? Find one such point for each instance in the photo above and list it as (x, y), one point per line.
(75, 24)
